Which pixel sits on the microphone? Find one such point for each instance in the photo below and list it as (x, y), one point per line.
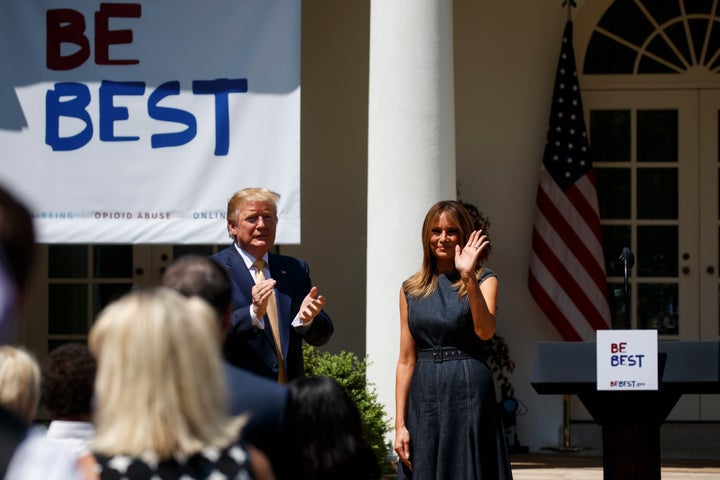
(628, 257)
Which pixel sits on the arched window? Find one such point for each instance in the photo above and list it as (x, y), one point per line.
(655, 37)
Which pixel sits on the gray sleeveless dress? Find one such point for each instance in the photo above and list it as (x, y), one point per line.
(455, 427)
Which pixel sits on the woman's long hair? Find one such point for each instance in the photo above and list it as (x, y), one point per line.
(160, 386)
(325, 428)
(424, 282)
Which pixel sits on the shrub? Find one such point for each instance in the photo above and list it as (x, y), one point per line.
(497, 355)
(350, 372)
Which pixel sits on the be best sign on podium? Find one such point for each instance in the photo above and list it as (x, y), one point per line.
(629, 382)
(627, 360)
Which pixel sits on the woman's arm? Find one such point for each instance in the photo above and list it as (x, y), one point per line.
(403, 374)
(482, 298)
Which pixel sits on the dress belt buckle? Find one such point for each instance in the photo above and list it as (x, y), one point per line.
(437, 354)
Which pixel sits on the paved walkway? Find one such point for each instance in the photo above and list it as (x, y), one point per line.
(538, 466)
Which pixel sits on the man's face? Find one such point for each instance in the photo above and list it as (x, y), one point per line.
(254, 229)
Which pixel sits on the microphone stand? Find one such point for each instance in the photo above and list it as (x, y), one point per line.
(629, 260)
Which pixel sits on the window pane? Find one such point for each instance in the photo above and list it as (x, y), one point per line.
(620, 15)
(67, 261)
(615, 238)
(613, 128)
(660, 48)
(657, 193)
(698, 31)
(657, 251)
(613, 185)
(713, 46)
(204, 250)
(657, 136)
(67, 307)
(605, 55)
(663, 11)
(650, 65)
(113, 261)
(104, 293)
(616, 296)
(658, 307)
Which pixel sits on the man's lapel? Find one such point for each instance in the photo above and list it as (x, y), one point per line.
(240, 273)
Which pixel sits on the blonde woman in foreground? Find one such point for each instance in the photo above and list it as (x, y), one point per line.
(161, 396)
(19, 382)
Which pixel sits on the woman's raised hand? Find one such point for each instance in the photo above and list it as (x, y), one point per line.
(467, 258)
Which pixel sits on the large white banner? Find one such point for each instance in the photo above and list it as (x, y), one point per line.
(135, 122)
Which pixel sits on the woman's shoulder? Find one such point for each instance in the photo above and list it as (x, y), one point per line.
(486, 273)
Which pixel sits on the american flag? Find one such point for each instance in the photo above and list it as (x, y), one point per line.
(567, 269)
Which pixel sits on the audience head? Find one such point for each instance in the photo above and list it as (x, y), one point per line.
(68, 377)
(160, 389)
(19, 382)
(326, 425)
(17, 238)
(17, 258)
(198, 276)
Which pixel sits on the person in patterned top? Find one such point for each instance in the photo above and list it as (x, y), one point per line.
(161, 394)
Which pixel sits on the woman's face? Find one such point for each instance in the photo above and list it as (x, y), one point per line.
(444, 236)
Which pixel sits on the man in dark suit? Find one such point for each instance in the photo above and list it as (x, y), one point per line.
(278, 289)
(265, 401)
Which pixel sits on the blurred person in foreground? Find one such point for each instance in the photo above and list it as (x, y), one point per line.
(161, 396)
(25, 453)
(264, 400)
(19, 382)
(268, 288)
(326, 426)
(68, 378)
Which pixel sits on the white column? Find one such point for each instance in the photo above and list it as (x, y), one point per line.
(411, 159)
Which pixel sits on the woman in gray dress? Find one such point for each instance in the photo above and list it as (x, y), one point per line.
(447, 425)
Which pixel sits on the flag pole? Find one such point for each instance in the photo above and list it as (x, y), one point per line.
(566, 447)
(566, 398)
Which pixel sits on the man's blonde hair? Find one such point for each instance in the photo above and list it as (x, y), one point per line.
(160, 386)
(246, 195)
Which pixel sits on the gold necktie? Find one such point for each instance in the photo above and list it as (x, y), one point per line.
(272, 317)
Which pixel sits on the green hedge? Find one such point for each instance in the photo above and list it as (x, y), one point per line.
(350, 372)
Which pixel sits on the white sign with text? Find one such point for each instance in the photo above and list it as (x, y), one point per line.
(627, 360)
(135, 122)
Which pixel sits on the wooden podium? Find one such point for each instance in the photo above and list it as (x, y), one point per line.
(630, 420)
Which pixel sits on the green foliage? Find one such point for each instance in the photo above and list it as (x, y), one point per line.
(497, 355)
(349, 371)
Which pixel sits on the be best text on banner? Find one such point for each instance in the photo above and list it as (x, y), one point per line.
(135, 122)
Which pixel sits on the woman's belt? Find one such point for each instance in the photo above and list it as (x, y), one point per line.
(442, 354)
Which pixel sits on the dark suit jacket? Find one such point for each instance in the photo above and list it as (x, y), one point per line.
(254, 349)
(266, 403)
